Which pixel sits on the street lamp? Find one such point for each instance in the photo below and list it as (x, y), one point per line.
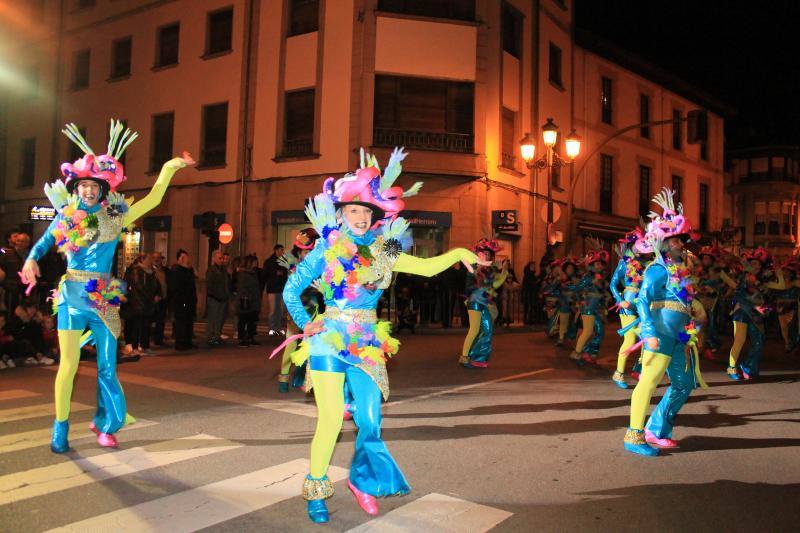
(550, 159)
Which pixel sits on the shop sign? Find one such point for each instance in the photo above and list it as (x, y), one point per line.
(505, 220)
(428, 219)
(158, 223)
(295, 216)
(42, 212)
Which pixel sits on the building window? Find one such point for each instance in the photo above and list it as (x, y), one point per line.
(554, 74)
(760, 220)
(161, 141)
(606, 184)
(512, 30)
(168, 45)
(449, 9)
(121, 58)
(298, 136)
(73, 150)
(644, 115)
(606, 96)
(676, 129)
(704, 151)
(27, 162)
(677, 187)
(80, 69)
(424, 114)
(83, 4)
(303, 16)
(644, 191)
(703, 201)
(787, 218)
(774, 217)
(219, 31)
(508, 157)
(215, 135)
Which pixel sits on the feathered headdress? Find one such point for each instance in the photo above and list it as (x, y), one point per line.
(487, 245)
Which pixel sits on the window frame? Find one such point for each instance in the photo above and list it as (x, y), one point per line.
(78, 54)
(677, 188)
(555, 75)
(113, 74)
(644, 115)
(677, 130)
(508, 160)
(607, 100)
(291, 29)
(606, 195)
(204, 145)
(157, 64)
(155, 164)
(307, 92)
(27, 163)
(208, 54)
(509, 13)
(645, 173)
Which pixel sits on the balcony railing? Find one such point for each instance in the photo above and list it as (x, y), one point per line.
(424, 140)
(775, 175)
(297, 147)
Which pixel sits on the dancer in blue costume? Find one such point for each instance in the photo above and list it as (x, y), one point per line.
(665, 313)
(625, 283)
(710, 288)
(482, 285)
(750, 309)
(593, 288)
(567, 277)
(362, 242)
(786, 304)
(91, 217)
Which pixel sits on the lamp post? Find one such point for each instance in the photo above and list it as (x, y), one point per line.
(550, 159)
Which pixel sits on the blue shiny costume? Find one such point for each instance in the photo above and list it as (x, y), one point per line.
(710, 290)
(480, 298)
(593, 298)
(75, 311)
(745, 311)
(373, 470)
(657, 307)
(629, 291)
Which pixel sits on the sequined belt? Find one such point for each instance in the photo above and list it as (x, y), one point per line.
(364, 316)
(632, 289)
(82, 276)
(672, 306)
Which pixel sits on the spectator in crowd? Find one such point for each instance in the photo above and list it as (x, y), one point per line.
(530, 293)
(50, 336)
(275, 277)
(144, 293)
(53, 267)
(24, 326)
(182, 298)
(217, 298)
(9, 350)
(160, 270)
(449, 292)
(12, 257)
(510, 294)
(460, 280)
(125, 310)
(248, 300)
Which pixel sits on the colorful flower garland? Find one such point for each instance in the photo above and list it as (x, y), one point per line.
(680, 282)
(633, 273)
(103, 294)
(347, 267)
(75, 229)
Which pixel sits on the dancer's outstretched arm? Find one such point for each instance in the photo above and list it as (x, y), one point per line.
(156, 194)
(434, 265)
(304, 275)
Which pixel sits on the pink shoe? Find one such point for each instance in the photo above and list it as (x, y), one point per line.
(106, 440)
(347, 414)
(479, 364)
(708, 355)
(365, 501)
(664, 443)
(94, 429)
(588, 359)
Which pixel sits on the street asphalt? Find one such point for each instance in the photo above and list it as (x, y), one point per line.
(530, 444)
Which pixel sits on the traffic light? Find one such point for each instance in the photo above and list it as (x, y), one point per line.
(697, 126)
(208, 226)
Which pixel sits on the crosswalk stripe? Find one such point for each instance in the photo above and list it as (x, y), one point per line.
(71, 474)
(435, 513)
(208, 505)
(34, 411)
(289, 406)
(17, 394)
(41, 437)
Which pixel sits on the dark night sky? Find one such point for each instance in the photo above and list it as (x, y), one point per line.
(742, 53)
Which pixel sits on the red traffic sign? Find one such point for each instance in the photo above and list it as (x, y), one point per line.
(225, 233)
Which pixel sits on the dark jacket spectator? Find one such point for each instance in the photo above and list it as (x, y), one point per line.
(12, 257)
(182, 296)
(530, 293)
(144, 293)
(217, 284)
(248, 301)
(275, 275)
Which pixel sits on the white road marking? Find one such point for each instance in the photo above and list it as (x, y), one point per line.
(208, 505)
(79, 472)
(289, 406)
(41, 437)
(35, 411)
(470, 386)
(17, 394)
(436, 513)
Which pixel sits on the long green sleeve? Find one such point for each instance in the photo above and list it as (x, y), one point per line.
(432, 265)
(500, 279)
(156, 194)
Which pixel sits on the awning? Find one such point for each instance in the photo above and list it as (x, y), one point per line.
(610, 231)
